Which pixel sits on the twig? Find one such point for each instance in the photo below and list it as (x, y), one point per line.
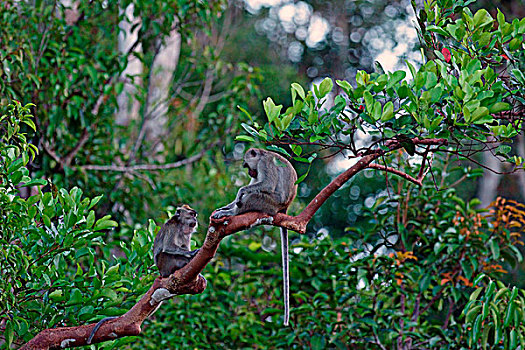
(396, 172)
(145, 167)
(149, 167)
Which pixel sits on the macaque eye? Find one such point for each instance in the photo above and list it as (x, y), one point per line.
(252, 153)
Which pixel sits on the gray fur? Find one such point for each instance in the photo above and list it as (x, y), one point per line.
(270, 191)
(171, 248)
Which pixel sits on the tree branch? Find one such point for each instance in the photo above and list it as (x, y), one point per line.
(396, 172)
(142, 167)
(188, 279)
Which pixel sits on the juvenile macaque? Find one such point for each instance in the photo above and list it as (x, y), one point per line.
(270, 191)
(171, 248)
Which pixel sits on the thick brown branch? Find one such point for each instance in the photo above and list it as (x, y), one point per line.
(188, 279)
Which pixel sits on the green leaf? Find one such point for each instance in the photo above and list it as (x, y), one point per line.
(369, 101)
(318, 342)
(439, 30)
(47, 221)
(515, 44)
(90, 219)
(503, 150)
(347, 88)
(104, 223)
(376, 112)
(499, 107)
(388, 111)
(75, 297)
(475, 294)
(430, 80)
(287, 120)
(299, 89)
(424, 282)
(245, 112)
(9, 333)
(312, 116)
(30, 123)
(500, 293)
(88, 309)
(490, 289)
(472, 313)
(509, 314)
(501, 18)
(467, 268)
(272, 111)
(296, 149)
(94, 201)
(482, 18)
(513, 339)
(113, 270)
(485, 336)
(476, 329)
(494, 247)
(481, 116)
(253, 246)
(244, 138)
(47, 279)
(33, 182)
(325, 87)
(435, 94)
(56, 295)
(119, 87)
(412, 69)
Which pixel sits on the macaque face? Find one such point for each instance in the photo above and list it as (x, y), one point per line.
(187, 216)
(251, 159)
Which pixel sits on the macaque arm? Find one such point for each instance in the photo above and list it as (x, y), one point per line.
(176, 251)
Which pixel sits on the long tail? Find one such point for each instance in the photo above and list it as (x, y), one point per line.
(286, 274)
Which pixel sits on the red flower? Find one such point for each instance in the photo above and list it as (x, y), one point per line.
(447, 54)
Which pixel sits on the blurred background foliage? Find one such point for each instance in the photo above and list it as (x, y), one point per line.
(101, 127)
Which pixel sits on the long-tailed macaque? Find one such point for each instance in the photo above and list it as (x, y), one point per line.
(270, 191)
(171, 248)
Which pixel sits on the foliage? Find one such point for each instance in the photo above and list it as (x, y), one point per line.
(54, 265)
(494, 314)
(72, 69)
(404, 277)
(464, 98)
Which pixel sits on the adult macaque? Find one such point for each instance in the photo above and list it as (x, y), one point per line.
(270, 191)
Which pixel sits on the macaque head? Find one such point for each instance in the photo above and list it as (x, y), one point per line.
(186, 216)
(251, 159)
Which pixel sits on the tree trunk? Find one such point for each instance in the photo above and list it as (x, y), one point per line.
(488, 185)
(162, 71)
(128, 106)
